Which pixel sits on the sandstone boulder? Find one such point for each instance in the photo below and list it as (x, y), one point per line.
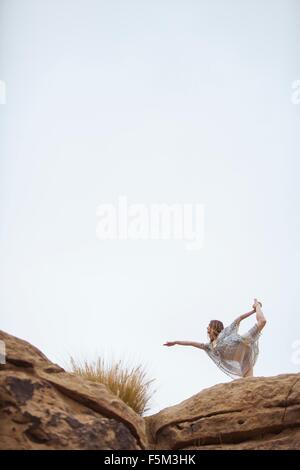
(249, 413)
(43, 407)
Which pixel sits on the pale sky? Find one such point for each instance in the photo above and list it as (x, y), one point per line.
(163, 102)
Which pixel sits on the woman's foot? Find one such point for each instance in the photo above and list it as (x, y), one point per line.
(256, 304)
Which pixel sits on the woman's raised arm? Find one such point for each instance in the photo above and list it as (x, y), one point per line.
(247, 314)
(244, 315)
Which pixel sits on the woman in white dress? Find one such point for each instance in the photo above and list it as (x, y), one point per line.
(234, 354)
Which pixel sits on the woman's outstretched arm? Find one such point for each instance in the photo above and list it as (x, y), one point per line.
(185, 343)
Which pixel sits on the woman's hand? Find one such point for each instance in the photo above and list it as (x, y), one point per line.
(170, 343)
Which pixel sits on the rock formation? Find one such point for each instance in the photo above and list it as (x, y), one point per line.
(252, 413)
(44, 407)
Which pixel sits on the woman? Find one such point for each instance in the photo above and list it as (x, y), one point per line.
(234, 354)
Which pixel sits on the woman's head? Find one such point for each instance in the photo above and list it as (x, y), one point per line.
(214, 329)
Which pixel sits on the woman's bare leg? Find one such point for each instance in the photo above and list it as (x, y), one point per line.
(261, 321)
(249, 373)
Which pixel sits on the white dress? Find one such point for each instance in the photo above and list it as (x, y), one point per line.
(235, 354)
